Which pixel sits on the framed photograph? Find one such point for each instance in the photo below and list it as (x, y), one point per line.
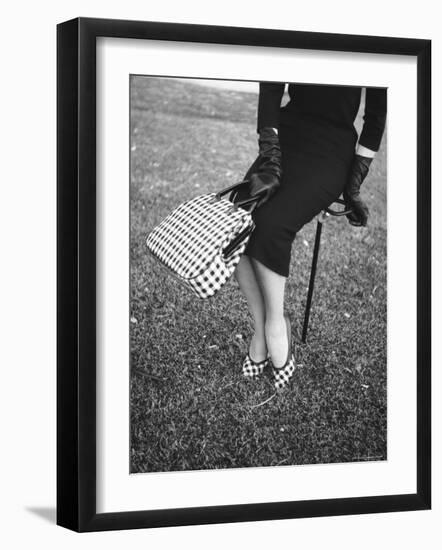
(243, 274)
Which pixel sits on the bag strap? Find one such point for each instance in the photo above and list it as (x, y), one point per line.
(231, 188)
(252, 201)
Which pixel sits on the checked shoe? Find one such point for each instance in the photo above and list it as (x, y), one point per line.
(250, 369)
(282, 375)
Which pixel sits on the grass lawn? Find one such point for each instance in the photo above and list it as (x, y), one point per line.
(190, 406)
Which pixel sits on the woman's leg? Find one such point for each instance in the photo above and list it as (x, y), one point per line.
(272, 286)
(245, 275)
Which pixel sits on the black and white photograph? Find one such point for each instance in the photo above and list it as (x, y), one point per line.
(220, 264)
(258, 274)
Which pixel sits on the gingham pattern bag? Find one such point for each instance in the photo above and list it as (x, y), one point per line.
(201, 241)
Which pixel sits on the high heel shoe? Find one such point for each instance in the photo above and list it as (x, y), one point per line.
(252, 369)
(282, 375)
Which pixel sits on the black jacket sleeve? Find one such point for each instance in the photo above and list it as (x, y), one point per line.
(269, 104)
(374, 118)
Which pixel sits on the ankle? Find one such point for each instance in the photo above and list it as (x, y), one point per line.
(258, 347)
(277, 341)
(274, 325)
(259, 334)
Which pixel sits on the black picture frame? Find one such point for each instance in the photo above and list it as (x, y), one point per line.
(76, 273)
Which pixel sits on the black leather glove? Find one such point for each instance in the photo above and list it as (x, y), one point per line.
(352, 197)
(265, 173)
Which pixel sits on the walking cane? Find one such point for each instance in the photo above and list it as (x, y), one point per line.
(321, 219)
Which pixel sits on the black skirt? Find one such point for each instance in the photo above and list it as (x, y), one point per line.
(316, 159)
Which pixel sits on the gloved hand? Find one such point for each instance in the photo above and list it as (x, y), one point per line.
(265, 173)
(352, 197)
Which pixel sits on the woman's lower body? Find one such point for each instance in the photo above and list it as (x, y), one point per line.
(316, 158)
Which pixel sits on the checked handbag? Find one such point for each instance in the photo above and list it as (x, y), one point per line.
(201, 241)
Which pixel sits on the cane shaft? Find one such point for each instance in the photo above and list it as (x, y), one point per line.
(312, 280)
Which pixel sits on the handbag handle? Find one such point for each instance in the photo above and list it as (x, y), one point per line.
(252, 201)
(231, 188)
